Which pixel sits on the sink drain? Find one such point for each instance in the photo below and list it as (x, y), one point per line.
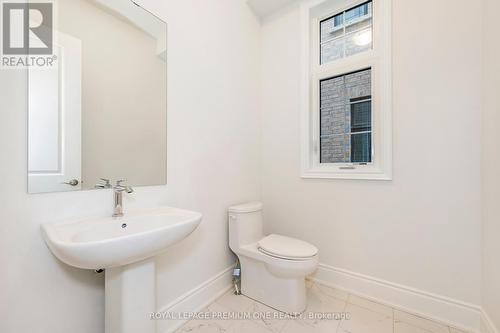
(124, 225)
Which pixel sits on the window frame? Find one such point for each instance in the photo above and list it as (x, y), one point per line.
(378, 59)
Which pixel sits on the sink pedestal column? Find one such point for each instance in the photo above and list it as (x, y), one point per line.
(130, 298)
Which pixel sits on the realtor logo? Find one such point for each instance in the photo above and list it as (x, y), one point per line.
(27, 28)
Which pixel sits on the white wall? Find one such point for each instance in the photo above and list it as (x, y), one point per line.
(491, 163)
(423, 228)
(213, 133)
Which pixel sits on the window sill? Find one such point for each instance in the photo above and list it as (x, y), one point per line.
(362, 173)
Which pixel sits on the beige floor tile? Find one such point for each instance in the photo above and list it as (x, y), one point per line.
(246, 326)
(317, 302)
(402, 327)
(298, 326)
(218, 313)
(413, 320)
(456, 330)
(293, 326)
(239, 303)
(365, 316)
(329, 291)
(201, 326)
(267, 317)
(363, 320)
(213, 323)
(370, 305)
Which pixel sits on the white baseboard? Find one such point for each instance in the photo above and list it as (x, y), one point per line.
(443, 309)
(196, 299)
(487, 325)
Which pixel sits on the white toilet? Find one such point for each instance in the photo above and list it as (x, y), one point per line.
(274, 267)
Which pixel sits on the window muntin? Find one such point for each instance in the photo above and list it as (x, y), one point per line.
(346, 34)
(346, 118)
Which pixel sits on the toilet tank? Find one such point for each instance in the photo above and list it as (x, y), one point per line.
(245, 224)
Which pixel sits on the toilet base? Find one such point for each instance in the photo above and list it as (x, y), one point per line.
(286, 294)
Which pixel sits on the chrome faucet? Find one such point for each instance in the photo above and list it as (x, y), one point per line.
(105, 183)
(118, 190)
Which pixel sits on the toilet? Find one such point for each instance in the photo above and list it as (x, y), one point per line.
(273, 267)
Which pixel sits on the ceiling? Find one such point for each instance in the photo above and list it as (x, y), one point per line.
(264, 8)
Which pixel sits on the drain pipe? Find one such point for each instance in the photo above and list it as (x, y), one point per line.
(237, 278)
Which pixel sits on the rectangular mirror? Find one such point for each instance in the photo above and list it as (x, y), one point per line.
(100, 111)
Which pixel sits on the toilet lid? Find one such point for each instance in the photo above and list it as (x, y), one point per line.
(286, 247)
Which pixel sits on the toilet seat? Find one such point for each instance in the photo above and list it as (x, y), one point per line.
(286, 248)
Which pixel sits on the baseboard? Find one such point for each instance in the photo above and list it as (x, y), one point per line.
(487, 325)
(439, 308)
(196, 299)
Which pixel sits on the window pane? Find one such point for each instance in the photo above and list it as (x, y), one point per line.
(361, 116)
(361, 148)
(332, 27)
(360, 25)
(346, 118)
(358, 42)
(338, 19)
(346, 34)
(358, 12)
(332, 50)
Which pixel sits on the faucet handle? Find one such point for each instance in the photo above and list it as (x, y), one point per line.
(119, 182)
(107, 182)
(119, 187)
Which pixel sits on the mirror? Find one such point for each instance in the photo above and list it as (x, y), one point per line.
(100, 110)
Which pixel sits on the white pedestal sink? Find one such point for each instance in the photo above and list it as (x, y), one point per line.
(125, 247)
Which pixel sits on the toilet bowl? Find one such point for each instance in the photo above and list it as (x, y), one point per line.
(273, 267)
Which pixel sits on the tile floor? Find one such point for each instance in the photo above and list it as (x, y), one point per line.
(365, 316)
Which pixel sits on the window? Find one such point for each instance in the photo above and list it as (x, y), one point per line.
(346, 108)
(345, 116)
(347, 33)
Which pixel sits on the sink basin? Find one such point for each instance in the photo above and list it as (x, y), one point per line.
(111, 242)
(125, 247)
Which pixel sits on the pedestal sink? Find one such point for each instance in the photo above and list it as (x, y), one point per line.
(125, 247)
